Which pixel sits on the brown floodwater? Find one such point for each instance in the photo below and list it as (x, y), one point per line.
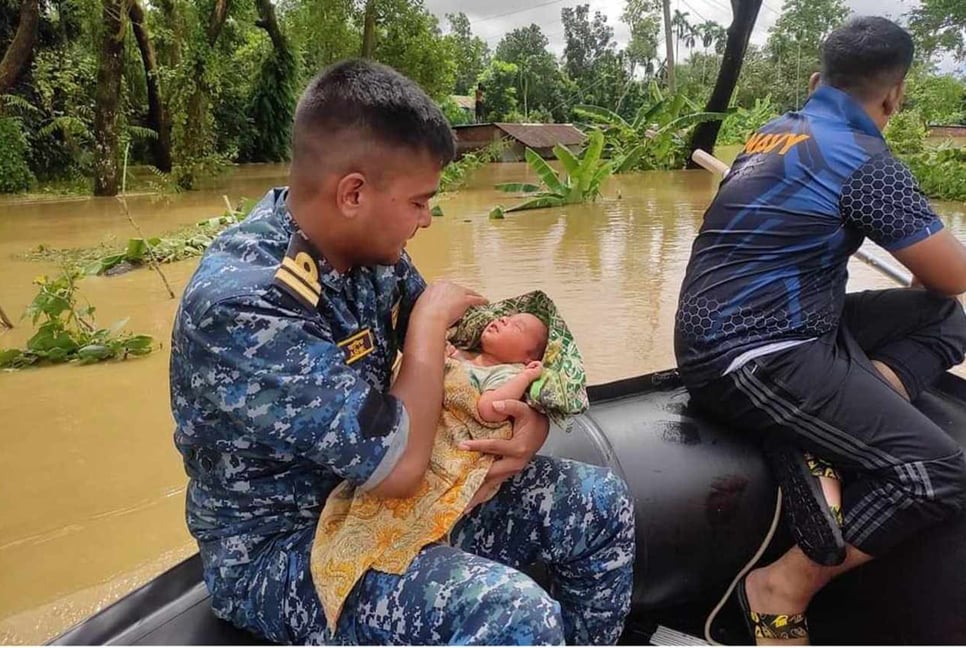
(92, 496)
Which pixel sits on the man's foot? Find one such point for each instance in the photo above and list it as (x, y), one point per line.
(776, 612)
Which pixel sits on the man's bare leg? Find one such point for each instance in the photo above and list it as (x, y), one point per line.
(787, 585)
(886, 372)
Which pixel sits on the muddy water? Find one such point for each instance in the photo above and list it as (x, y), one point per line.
(92, 489)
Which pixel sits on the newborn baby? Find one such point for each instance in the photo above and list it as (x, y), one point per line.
(508, 362)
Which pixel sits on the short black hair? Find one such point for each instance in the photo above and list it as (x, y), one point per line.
(376, 101)
(866, 56)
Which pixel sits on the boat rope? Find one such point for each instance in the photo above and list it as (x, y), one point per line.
(744, 570)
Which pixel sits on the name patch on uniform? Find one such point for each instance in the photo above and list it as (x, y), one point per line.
(299, 273)
(358, 346)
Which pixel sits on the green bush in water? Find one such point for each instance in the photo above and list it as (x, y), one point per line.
(185, 243)
(739, 125)
(15, 175)
(579, 181)
(941, 171)
(68, 333)
(906, 132)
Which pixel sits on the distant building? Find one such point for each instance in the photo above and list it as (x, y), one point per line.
(540, 137)
(467, 105)
(947, 130)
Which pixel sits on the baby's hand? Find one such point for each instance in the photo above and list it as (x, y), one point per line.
(450, 350)
(533, 370)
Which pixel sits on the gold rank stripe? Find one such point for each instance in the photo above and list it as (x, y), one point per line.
(303, 272)
(295, 283)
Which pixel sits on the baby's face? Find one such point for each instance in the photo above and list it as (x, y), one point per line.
(517, 338)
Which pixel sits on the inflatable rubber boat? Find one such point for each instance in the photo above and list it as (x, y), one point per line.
(704, 502)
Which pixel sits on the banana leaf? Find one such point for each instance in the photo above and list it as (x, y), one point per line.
(600, 114)
(544, 170)
(518, 187)
(570, 162)
(591, 158)
(630, 159)
(538, 203)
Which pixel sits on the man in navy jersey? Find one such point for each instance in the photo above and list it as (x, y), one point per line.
(768, 341)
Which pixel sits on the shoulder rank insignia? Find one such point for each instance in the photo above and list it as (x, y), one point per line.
(357, 346)
(299, 273)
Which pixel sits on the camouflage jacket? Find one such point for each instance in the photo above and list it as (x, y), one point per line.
(280, 370)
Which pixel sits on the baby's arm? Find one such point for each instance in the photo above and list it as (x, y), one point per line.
(512, 389)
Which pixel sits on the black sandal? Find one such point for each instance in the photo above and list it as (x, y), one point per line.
(770, 626)
(815, 526)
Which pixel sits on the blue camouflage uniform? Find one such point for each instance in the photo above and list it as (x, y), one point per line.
(280, 370)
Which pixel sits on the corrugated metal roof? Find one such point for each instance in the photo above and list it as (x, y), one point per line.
(542, 135)
(464, 101)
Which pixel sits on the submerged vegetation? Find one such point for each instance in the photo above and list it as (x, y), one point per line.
(111, 258)
(940, 170)
(578, 182)
(67, 332)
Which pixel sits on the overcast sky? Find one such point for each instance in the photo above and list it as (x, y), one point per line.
(493, 18)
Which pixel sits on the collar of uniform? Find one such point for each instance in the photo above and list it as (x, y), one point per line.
(833, 103)
(327, 274)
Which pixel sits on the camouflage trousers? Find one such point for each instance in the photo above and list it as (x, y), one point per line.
(575, 519)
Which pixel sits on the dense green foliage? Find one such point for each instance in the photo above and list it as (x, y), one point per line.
(940, 170)
(657, 136)
(226, 84)
(67, 332)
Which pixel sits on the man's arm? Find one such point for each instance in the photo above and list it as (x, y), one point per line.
(419, 384)
(938, 262)
(883, 201)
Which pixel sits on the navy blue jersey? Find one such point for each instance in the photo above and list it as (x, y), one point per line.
(769, 264)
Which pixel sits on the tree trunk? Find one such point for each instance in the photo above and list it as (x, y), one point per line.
(369, 30)
(268, 21)
(171, 54)
(217, 20)
(745, 14)
(107, 98)
(21, 47)
(669, 45)
(157, 114)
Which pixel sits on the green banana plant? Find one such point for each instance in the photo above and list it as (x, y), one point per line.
(657, 136)
(578, 182)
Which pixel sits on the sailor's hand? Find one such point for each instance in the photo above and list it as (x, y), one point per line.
(445, 302)
(530, 429)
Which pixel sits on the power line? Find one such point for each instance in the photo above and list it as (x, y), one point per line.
(516, 11)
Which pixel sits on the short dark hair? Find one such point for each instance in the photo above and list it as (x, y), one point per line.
(376, 101)
(866, 56)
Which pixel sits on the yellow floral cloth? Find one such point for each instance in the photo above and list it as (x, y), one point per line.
(357, 532)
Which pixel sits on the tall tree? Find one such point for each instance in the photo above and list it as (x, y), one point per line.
(587, 41)
(539, 79)
(107, 97)
(668, 45)
(369, 28)
(158, 119)
(471, 52)
(18, 52)
(643, 18)
(409, 39)
(744, 16)
(794, 44)
(940, 25)
(273, 98)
